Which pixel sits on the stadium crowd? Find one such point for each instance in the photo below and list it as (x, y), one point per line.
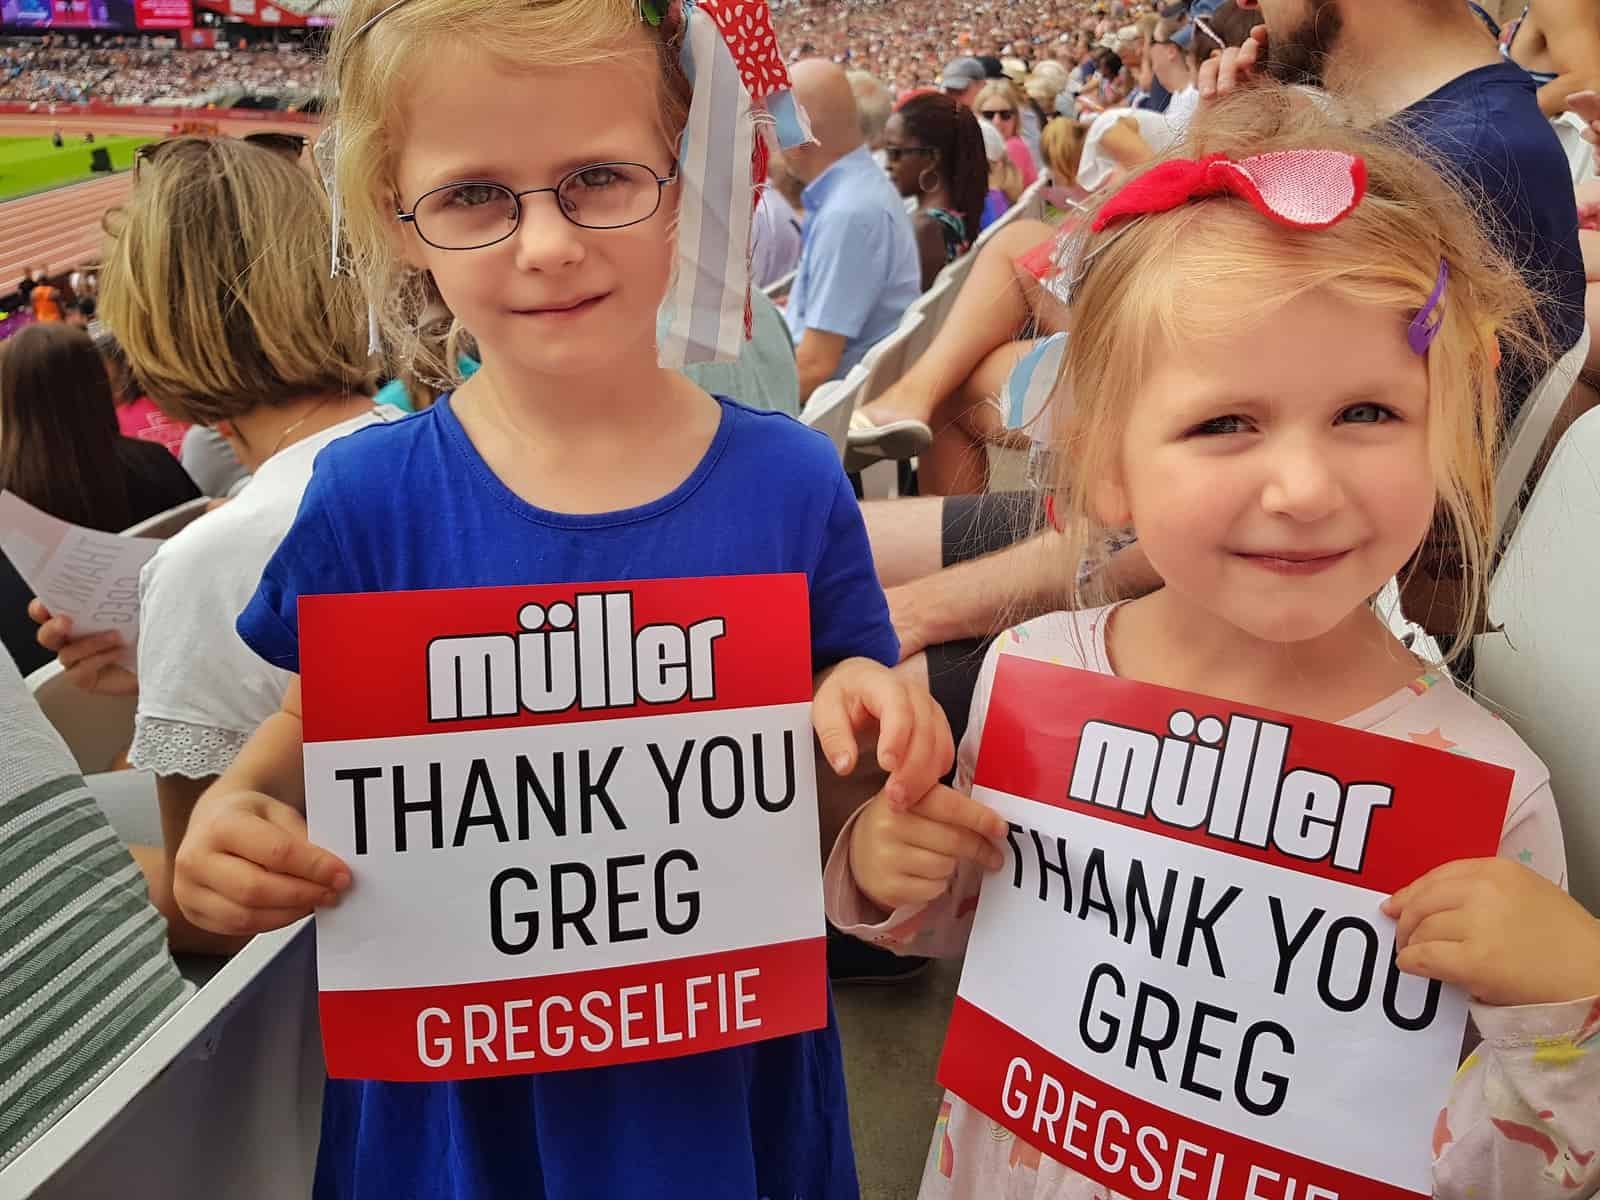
(50, 70)
(1000, 138)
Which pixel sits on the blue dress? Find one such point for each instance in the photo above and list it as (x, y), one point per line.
(749, 1123)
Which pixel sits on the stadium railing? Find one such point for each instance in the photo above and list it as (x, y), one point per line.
(224, 1100)
(1539, 669)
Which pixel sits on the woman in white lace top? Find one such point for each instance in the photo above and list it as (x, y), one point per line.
(216, 282)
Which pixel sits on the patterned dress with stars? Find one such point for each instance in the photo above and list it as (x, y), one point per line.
(1521, 1120)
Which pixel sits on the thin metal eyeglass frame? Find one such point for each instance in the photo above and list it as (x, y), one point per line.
(410, 218)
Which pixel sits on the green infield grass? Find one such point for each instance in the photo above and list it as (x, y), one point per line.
(32, 164)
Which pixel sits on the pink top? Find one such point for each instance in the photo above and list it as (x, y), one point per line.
(1023, 157)
(143, 420)
(1519, 1122)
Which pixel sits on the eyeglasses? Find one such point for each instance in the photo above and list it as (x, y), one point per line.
(999, 114)
(895, 153)
(291, 145)
(472, 214)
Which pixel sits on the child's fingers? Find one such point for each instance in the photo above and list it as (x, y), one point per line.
(1440, 896)
(217, 913)
(273, 837)
(928, 758)
(1450, 925)
(950, 841)
(950, 807)
(905, 890)
(830, 717)
(921, 863)
(1461, 868)
(1448, 962)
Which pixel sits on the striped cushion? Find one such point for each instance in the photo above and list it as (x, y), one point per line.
(85, 975)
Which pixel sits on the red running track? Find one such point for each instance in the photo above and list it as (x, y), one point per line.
(61, 229)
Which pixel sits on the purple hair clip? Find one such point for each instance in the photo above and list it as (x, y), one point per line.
(1429, 320)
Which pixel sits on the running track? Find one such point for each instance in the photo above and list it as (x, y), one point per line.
(61, 229)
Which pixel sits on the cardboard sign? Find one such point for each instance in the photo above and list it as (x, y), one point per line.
(581, 821)
(1180, 984)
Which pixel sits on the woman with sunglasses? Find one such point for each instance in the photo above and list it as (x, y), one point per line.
(216, 284)
(999, 104)
(935, 153)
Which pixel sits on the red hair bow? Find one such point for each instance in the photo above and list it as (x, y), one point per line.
(1299, 189)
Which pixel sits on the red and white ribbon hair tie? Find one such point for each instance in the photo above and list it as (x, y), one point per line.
(1298, 189)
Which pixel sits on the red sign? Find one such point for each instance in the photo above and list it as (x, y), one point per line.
(164, 14)
(579, 818)
(1180, 982)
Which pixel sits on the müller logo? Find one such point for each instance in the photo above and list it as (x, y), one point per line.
(586, 654)
(1235, 786)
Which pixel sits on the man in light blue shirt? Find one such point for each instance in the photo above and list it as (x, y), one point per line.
(859, 268)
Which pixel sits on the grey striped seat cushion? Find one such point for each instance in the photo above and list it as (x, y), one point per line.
(85, 975)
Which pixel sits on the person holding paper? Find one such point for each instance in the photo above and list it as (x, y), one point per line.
(573, 455)
(61, 451)
(1316, 317)
(297, 377)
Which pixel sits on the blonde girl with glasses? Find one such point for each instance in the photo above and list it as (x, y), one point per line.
(508, 170)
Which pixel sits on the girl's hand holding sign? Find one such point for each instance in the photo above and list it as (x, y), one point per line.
(908, 857)
(1498, 929)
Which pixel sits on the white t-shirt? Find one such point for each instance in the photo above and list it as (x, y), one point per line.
(202, 691)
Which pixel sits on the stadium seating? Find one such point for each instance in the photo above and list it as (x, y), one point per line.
(1527, 437)
(1540, 670)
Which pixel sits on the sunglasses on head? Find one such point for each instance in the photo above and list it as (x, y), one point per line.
(999, 114)
(290, 145)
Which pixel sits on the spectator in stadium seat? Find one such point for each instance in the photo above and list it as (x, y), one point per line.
(936, 156)
(71, 902)
(1558, 45)
(61, 451)
(999, 104)
(775, 236)
(1005, 181)
(137, 414)
(296, 376)
(874, 104)
(859, 269)
(963, 79)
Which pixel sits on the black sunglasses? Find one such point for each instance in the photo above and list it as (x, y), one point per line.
(291, 145)
(999, 114)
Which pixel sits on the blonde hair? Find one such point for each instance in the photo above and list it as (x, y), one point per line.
(874, 104)
(998, 89)
(1136, 301)
(216, 283)
(370, 73)
(1062, 143)
(1043, 88)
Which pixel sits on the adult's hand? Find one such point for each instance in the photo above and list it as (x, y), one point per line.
(1228, 69)
(1586, 106)
(92, 663)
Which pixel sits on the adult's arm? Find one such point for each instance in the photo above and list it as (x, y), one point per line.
(977, 599)
(1571, 30)
(930, 247)
(817, 358)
